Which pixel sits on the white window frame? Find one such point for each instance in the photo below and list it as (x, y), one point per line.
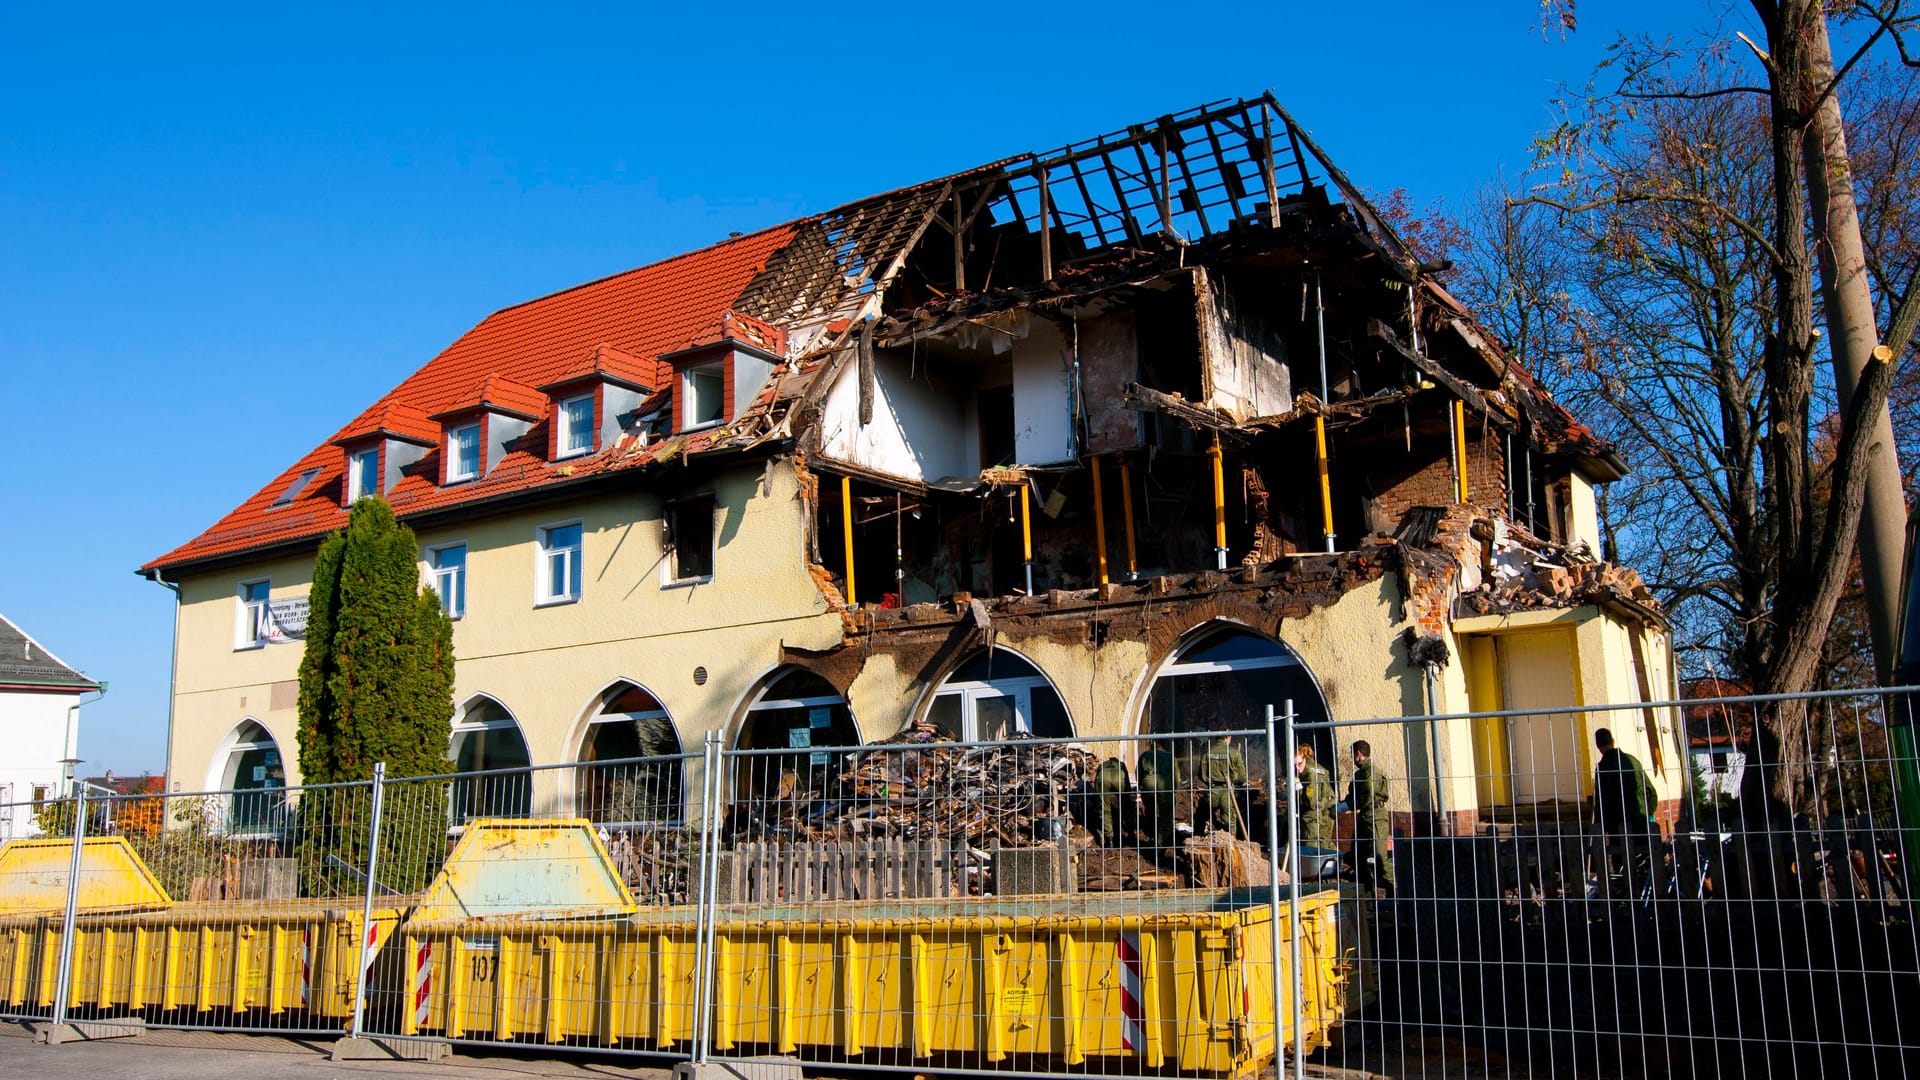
(359, 464)
(454, 473)
(1018, 688)
(564, 414)
(717, 368)
(542, 572)
(432, 574)
(251, 617)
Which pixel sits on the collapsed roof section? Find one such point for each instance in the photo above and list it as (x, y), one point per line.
(1154, 268)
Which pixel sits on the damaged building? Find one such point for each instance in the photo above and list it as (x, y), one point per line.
(1138, 435)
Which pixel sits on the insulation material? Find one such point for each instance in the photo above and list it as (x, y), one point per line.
(1043, 396)
(1109, 360)
(1244, 363)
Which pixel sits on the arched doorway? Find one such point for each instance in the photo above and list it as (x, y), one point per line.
(630, 771)
(491, 755)
(1223, 679)
(798, 711)
(249, 766)
(996, 694)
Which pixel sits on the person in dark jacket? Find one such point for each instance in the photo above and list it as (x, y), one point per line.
(1313, 799)
(1367, 795)
(1623, 808)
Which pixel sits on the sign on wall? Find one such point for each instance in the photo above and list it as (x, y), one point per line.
(286, 619)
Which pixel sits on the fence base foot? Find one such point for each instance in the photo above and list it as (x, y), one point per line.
(744, 1069)
(49, 1034)
(365, 1049)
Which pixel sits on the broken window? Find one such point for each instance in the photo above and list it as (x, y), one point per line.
(995, 695)
(690, 536)
(1224, 681)
(797, 711)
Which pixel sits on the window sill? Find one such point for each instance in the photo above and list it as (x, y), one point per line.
(687, 583)
(557, 601)
(568, 455)
(701, 427)
(250, 646)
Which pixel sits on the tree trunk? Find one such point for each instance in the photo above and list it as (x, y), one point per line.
(1852, 334)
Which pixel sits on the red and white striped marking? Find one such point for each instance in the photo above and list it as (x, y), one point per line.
(422, 982)
(371, 948)
(306, 966)
(1132, 1029)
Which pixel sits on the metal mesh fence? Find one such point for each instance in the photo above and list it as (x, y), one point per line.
(233, 909)
(1721, 892)
(1715, 889)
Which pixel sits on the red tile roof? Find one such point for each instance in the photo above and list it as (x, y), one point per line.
(501, 394)
(606, 362)
(394, 419)
(636, 316)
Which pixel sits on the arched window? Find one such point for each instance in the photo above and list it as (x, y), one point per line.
(630, 770)
(795, 710)
(486, 740)
(250, 766)
(1223, 680)
(997, 694)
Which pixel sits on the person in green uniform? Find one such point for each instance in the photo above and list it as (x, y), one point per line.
(1110, 788)
(1224, 771)
(1313, 799)
(1367, 795)
(1623, 807)
(1156, 775)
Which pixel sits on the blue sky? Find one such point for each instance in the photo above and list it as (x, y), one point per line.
(224, 232)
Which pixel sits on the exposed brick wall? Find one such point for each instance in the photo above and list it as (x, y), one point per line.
(1430, 481)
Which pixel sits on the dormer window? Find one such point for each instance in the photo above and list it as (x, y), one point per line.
(463, 452)
(705, 387)
(575, 417)
(363, 474)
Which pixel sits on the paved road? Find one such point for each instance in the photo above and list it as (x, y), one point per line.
(185, 1055)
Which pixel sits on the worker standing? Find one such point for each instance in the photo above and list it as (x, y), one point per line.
(1156, 796)
(1367, 795)
(1623, 807)
(1224, 771)
(1110, 789)
(1313, 798)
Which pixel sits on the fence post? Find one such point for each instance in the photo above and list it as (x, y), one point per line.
(1293, 901)
(1273, 876)
(704, 894)
(367, 932)
(63, 983)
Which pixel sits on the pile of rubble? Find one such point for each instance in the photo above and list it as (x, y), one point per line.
(1015, 795)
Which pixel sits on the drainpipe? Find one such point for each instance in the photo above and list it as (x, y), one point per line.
(1433, 740)
(173, 674)
(72, 742)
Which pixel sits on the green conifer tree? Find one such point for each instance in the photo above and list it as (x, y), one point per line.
(376, 684)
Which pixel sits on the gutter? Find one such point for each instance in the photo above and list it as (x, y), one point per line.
(173, 674)
(71, 744)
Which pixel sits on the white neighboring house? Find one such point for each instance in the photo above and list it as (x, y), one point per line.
(39, 726)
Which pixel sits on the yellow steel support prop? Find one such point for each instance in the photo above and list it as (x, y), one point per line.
(846, 525)
(1326, 486)
(1459, 450)
(1099, 521)
(1219, 503)
(1126, 512)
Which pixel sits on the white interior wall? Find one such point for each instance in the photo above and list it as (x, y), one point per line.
(1042, 401)
(920, 428)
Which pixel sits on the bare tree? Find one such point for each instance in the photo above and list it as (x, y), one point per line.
(1708, 194)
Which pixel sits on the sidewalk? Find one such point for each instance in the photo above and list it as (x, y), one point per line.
(196, 1055)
